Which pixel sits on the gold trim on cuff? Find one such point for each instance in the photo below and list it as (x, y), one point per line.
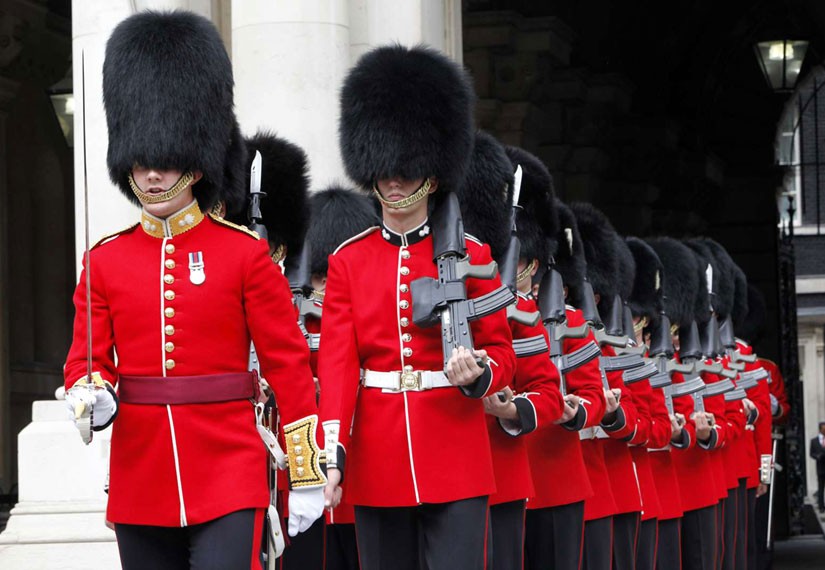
(303, 454)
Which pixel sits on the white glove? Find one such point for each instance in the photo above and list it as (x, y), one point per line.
(100, 399)
(305, 507)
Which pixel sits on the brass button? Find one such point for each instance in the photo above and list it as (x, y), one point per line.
(170, 249)
(296, 438)
(168, 279)
(299, 460)
(169, 330)
(300, 471)
(169, 346)
(169, 295)
(407, 352)
(405, 254)
(405, 271)
(404, 288)
(299, 450)
(169, 263)
(169, 312)
(405, 322)
(404, 304)
(408, 368)
(170, 364)
(406, 337)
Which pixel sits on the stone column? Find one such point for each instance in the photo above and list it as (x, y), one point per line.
(433, 22)
(289, 59)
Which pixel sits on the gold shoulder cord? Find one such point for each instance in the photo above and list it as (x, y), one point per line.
(303, 454)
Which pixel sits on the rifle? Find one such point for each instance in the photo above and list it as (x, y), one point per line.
(554, 317)
(297, 272)
(255, 195)
(662, 355)
(444, 300)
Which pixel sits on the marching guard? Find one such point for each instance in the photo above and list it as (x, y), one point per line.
(410, 438)
(178, 297)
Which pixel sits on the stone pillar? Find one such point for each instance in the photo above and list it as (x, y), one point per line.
(7, 92)
(109, 211)
(433, 22)
(59, 521)
(289, 60)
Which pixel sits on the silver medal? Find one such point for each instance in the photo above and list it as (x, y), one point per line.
(196, 274)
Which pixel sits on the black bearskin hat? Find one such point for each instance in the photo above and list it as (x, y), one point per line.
(567, 250)
(167, 90)
(285, 180)
(406, 112)
(537, 219)
(680, 279)
(753, 325)
(627, 267)
(599, 239)
(701, 298)
(337, 214)
(725, 289)
(646, 298)
(486, 194)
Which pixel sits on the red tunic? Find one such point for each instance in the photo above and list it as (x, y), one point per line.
(716, 406)
(619, 471)
(406, 448)
(777, 388)
(694, 469)
(555, 453)
(661, 461)
(760, 396)
(187, 464)
(539, 402)
(650, 424)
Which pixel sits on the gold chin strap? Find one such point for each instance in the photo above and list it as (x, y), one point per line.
(319, 295)
(674, 329)
(405, 202)
(638, 327)
(526, 273)
(178, 187)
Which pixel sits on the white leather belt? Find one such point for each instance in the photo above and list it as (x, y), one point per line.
(595, 432)
(408, 381)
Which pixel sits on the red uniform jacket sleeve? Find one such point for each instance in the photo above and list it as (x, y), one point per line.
(684, 406)
(716, 406)
(585, 381)
(660, 430)
(624, 427)
(103, 353)
(536, 381)
(777, 388)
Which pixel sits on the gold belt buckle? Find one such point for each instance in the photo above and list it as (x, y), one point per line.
(410, 380)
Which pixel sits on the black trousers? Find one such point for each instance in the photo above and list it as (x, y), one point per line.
(699, 539)
(445, 536)
(646, 546)
(764, 557)
(625, 536)
(598, 544)
(305, 551)
(720, 533)
(731, 523)
(554, 537)
(231, 541)
(751, 498)
(505, 546)
(342, 552)
(820, 489)
(669, 545)
(742, 525)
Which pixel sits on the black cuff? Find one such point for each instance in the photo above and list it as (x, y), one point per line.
(117, 409)
(526, 421)
(711, 442)
(683, 441)
(479, 388)
(578, 420)
(617, 420)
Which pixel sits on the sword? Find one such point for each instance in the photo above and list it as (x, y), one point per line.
(774, 467)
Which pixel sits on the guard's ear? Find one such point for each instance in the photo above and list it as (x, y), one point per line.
(433, 184)
(196, 175)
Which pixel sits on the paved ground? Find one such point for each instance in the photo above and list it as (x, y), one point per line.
(806, 551)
